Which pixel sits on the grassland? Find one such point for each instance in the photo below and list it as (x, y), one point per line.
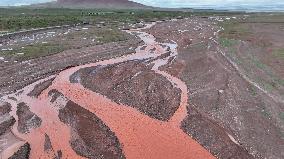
(255, 59)
(75, 39)
(279, 53)
(14, 19)
(21, 18)
(33, 51)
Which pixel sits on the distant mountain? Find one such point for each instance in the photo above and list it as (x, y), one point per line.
(109, 4)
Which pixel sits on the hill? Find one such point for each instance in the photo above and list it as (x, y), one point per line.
(107, 4)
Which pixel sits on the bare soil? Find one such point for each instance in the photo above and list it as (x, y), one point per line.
(91, 137)
(222, 96)
(128, 83)
(16, 76)
(22, 153)
(27, 119)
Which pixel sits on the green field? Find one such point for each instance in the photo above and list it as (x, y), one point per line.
(15, 19)
(251, 62)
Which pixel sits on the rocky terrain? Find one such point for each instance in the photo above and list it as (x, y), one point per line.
(222, 97)
(175, 94)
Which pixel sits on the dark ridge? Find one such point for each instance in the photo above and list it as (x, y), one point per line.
(212, 136)
(91, 138)
(5, 125)
(22, 153)
(5, 108)
(39, 88)
(107, 4)
(27, 119)
(128, 83)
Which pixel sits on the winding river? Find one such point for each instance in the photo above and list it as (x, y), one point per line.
(142, 137)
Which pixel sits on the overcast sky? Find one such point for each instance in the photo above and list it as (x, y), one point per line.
(189, 3)
(20, 2)
(181, 3)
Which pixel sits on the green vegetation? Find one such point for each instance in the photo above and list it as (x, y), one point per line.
(225, 42)
(21, 18)
(76, 40)
(17, 19)
(34, 51)
(104, 35)
(281, 116)
(14, 19)
(231, 45)
(105, 26)
(240, 29)
(266, 18)
(264, 111)
(251, 61)
(235, 29)
(252, 90)
(279, 53)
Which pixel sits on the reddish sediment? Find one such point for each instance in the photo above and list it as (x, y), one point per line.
(140, 135)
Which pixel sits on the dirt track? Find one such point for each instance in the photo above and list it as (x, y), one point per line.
(137, 103)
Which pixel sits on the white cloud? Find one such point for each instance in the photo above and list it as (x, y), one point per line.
(20, 2)
(191, 3)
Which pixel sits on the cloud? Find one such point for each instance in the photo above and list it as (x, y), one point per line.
(191, 3)
(20, 2)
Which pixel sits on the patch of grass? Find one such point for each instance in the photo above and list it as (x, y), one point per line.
(231, 44)
(258, 63)
(281, 115)
(34, 51)
(253, 67)
(225, 42)
(282, 134)
(104, 35)
(234, 30)
(279, 53)
(274, 81)
(268, 86)
(252, 90)
(279, 81)
(266, 18)
(264, 111)
(110, 36)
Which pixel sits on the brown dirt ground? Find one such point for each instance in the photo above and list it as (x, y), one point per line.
(40, 87)
(268, 37)
(27, 119)
(223, 97)
(128, 83)
(6, 120)
(16, 76)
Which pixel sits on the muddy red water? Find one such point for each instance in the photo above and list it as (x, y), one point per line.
(140, 135)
